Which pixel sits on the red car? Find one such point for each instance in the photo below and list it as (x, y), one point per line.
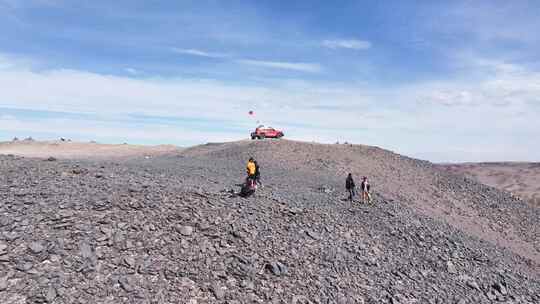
(266, 132)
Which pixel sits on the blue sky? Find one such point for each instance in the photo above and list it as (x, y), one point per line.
(452, 81)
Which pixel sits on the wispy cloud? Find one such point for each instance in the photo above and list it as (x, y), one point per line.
(359, 114)
(200, 53)
(132, 71)
(295, 66)
(353, 44)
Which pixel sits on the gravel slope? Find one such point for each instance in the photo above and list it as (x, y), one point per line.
(520, 179)
(167, 230)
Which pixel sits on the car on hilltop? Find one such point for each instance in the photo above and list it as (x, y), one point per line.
(262, 132)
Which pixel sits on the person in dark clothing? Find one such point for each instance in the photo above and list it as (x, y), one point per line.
(350, 186)
(258, 174)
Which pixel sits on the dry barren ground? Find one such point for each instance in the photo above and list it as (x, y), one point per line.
(168, 229)
(521, 179)
(80, 150)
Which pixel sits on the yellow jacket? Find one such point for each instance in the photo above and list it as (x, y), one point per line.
(251, 168)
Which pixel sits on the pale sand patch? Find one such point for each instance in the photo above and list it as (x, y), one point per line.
(81, 150)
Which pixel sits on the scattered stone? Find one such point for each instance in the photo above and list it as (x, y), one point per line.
(129, 262)
(312, 235)
(184, 230)
(218, 291)
(472, 284)
(86, 250)
(51, 294)
(3, 283)
(126, 284)
(450, 267)
(500, 288)
(297, 299)
(3, 247)
(490, 295)
(326, 189)
(36, 247)
(277, 268)
(204, 226)
(24, 267)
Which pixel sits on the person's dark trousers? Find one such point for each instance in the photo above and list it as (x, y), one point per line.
(251, 181)
(351, 194)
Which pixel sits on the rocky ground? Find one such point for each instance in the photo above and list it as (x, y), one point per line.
(520, 179)
(168, 229)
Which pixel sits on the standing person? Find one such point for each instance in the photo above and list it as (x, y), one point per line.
(257, 174)
(250, 168)
(366, 196)
(350, 186)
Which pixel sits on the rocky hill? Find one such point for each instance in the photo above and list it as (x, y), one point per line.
(520, 179)
(168, 229)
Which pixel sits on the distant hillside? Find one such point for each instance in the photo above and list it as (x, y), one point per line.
(520, 179)
(81, 150)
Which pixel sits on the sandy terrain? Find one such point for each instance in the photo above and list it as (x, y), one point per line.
(520, 179)
(80, 150)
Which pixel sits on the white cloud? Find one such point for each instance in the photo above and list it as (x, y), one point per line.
(295, 66)
(199, 53)
(353, 44)
(9, 62)
(110, 130)
(495, 83)
(496, 110)
(132, 71)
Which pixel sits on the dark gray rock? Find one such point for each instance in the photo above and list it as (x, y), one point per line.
(500, 288)
(277, 268)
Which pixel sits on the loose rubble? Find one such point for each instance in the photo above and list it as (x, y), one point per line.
(164, 231)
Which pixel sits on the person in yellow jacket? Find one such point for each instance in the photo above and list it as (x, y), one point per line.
(251, 169)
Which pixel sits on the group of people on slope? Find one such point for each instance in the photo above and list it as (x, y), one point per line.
(254, 179)
(364, 188)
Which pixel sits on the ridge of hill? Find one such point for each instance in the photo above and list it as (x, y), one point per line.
(479, 210)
